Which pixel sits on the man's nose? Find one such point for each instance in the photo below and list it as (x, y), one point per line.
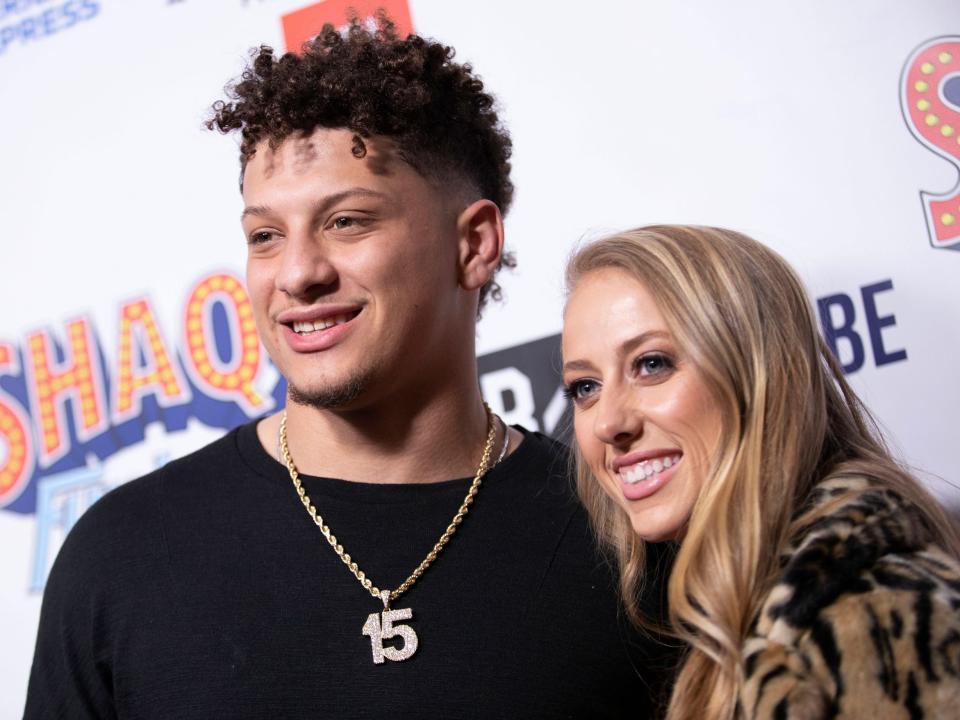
(305, 264)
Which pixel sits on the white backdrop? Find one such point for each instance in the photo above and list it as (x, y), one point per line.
(802, 124)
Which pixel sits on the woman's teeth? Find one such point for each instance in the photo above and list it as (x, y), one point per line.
(647, 468)
(304, 328)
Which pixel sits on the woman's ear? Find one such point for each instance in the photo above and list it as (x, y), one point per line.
(480, 243)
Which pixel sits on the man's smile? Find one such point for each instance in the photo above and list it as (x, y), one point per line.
(318, 328)
(307, 327)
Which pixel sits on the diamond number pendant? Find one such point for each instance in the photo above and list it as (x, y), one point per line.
(380, 626)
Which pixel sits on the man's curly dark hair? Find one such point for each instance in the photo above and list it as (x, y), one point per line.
(373, 83)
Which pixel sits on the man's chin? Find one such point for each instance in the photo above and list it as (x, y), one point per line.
(328, 397)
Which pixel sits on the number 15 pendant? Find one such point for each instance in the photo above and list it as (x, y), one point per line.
(380, 626)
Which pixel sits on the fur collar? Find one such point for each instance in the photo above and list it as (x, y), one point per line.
(861, 523)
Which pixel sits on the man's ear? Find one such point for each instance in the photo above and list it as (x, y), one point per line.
(480, 238)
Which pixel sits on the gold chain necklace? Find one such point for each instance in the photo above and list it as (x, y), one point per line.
(381, 626)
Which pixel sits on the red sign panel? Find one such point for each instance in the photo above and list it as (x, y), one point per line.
(301, 25)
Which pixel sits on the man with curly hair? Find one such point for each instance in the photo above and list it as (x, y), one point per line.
(385, 546)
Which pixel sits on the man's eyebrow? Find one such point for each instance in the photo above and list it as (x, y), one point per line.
(256, 210)
(320, 205)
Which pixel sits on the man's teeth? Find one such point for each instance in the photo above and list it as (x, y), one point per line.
(648, 468)
(308, 327)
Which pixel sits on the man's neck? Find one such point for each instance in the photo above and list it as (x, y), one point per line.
(417, 440)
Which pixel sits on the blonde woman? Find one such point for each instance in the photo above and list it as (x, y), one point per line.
(814, 577)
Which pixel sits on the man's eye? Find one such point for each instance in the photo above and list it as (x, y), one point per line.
(581, 389)
(260, 237)
(343, 222)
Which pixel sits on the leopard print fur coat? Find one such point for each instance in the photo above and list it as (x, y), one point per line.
(864, 621)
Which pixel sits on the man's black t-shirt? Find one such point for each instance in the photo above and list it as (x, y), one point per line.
(204, 590)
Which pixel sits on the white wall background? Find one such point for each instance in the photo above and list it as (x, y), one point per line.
(782, 120)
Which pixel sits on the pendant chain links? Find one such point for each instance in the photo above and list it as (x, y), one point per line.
(432, 555)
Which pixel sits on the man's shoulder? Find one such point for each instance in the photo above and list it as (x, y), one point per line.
(189, 468)
(542, 452)
(540, 463)
(544, 443)
(133, 509)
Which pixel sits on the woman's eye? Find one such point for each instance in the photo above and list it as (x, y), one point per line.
(653, 364)
(581, 389)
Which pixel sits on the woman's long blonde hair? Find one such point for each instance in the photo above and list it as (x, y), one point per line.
(742, 317)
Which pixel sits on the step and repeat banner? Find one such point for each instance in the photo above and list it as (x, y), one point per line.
(830, 131)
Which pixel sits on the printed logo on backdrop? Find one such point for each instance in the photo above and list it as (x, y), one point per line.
(930, 100)
(24, 22)
(74, 421)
